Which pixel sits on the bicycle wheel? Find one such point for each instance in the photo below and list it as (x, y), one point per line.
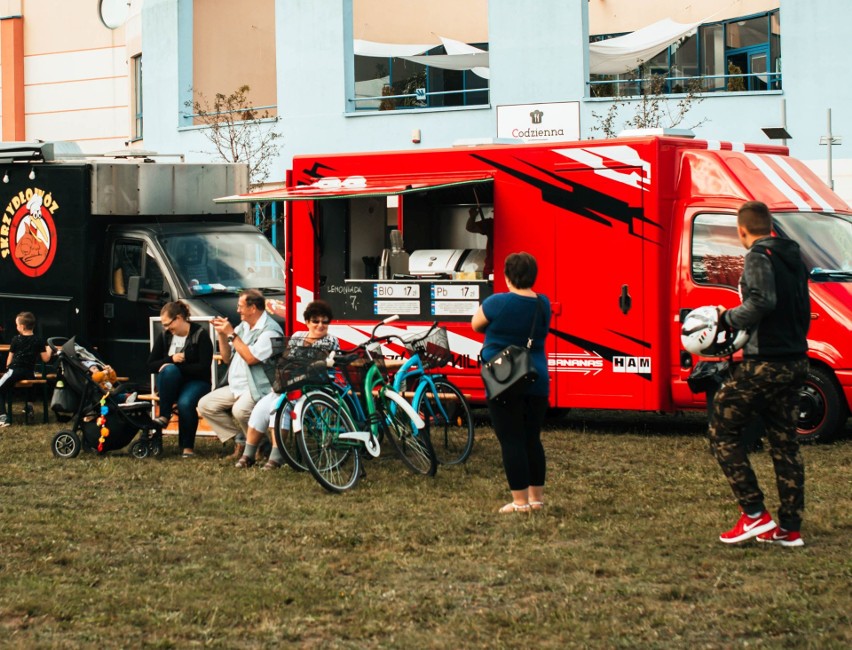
(449, 419)
(334, 463)
(411, 444)
(285, 438)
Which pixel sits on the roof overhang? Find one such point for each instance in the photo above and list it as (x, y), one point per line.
(362, 186)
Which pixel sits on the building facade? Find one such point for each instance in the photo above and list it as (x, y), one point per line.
(349, 75)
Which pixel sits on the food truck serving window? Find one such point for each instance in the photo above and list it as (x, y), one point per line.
(414, 245)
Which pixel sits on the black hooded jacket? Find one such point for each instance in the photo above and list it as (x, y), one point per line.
(776, 305)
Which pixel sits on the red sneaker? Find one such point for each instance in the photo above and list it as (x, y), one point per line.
(780, 536)
(748, 527)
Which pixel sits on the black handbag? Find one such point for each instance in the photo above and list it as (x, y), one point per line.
(512, 371)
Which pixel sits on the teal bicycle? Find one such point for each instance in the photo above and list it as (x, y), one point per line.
(435, 398)
(333, 427)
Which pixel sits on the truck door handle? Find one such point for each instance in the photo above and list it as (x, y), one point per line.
(556, 308)
(624, 300)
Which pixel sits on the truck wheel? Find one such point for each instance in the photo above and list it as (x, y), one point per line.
(821, 410)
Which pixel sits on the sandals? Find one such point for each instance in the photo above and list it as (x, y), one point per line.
(244, 462)
(514, 507)
(536, 505)
(271, 464)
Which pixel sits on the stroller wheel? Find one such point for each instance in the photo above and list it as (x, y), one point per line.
(66, 444)
(156, 447)
(139, 449)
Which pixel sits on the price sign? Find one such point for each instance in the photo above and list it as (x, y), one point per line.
(405, 291)
(455, 291)
(454, 307)
(401, 307)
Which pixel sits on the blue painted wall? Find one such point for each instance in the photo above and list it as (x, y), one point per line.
(537, 54)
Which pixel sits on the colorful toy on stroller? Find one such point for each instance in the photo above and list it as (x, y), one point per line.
(102, 417)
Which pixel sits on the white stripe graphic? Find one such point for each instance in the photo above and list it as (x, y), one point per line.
(778, 182)
(787, 167)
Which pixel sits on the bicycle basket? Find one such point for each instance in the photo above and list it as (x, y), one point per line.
(433, 349)
(298, 366)
(356, 369)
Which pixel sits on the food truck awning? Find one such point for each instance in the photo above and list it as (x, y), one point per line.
(366, 186)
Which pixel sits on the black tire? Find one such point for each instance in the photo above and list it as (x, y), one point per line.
(66, 444)
(822, 410)
(413, 446)
(286, 441)
(334, 463)
(449, 419)
(140, 449)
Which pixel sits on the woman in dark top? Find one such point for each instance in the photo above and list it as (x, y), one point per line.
(181, 358)
(506, 319)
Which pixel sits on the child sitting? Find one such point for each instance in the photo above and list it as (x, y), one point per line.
(25, 350)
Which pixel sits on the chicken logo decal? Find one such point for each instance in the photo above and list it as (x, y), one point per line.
(28, 233)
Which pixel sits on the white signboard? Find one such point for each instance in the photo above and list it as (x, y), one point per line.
(455, 291)
(454, 307)
(396, 291)
(539, 122)
(390, 307)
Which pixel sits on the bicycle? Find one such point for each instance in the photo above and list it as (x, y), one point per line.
(299, 369)
(438, 401)
(325, 419)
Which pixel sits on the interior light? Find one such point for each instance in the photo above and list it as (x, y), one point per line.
(32, 174)
(6, 177)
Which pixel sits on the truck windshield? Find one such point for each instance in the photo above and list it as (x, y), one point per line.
(825, 240)
(226, 262)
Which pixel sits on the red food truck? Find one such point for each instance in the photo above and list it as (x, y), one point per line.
(630, 234)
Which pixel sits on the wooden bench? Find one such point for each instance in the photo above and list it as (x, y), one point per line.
(45, 382)
(171, 428)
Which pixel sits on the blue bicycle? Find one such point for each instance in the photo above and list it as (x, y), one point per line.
(435, 398)
(333, 426)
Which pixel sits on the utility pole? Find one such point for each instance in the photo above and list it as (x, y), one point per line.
(830, 140)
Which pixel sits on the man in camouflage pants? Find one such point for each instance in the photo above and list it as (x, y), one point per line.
(775, 310)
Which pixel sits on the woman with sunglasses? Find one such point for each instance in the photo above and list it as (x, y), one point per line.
(317, 317)
(181, 359)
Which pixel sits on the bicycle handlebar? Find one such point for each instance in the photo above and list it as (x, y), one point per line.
(343, 357)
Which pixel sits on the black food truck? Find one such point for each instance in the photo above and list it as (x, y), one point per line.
(94, 246)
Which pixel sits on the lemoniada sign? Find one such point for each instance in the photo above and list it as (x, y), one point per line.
(539, 122)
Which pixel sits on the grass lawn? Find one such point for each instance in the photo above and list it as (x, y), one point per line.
(172, 552)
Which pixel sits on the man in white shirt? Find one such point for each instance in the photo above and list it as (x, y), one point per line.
(245, 348)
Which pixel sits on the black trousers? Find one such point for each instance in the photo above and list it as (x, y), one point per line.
(517, 423)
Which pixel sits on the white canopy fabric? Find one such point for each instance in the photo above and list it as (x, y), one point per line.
(625, 53)
(455, 48)
(452, 61)
(388, 50)
(459, 56)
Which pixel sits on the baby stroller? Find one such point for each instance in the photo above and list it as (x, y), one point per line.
(101, 418)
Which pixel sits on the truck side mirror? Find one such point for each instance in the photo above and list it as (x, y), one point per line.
(133, 288)
(135, 292)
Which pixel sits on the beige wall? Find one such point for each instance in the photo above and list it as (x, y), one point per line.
(420, 21)
(76, 84)
(615, 16)
(234, 45)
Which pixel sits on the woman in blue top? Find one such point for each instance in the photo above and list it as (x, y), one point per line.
(506, 318)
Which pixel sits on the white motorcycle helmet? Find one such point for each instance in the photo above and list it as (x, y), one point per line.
(703, 334)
